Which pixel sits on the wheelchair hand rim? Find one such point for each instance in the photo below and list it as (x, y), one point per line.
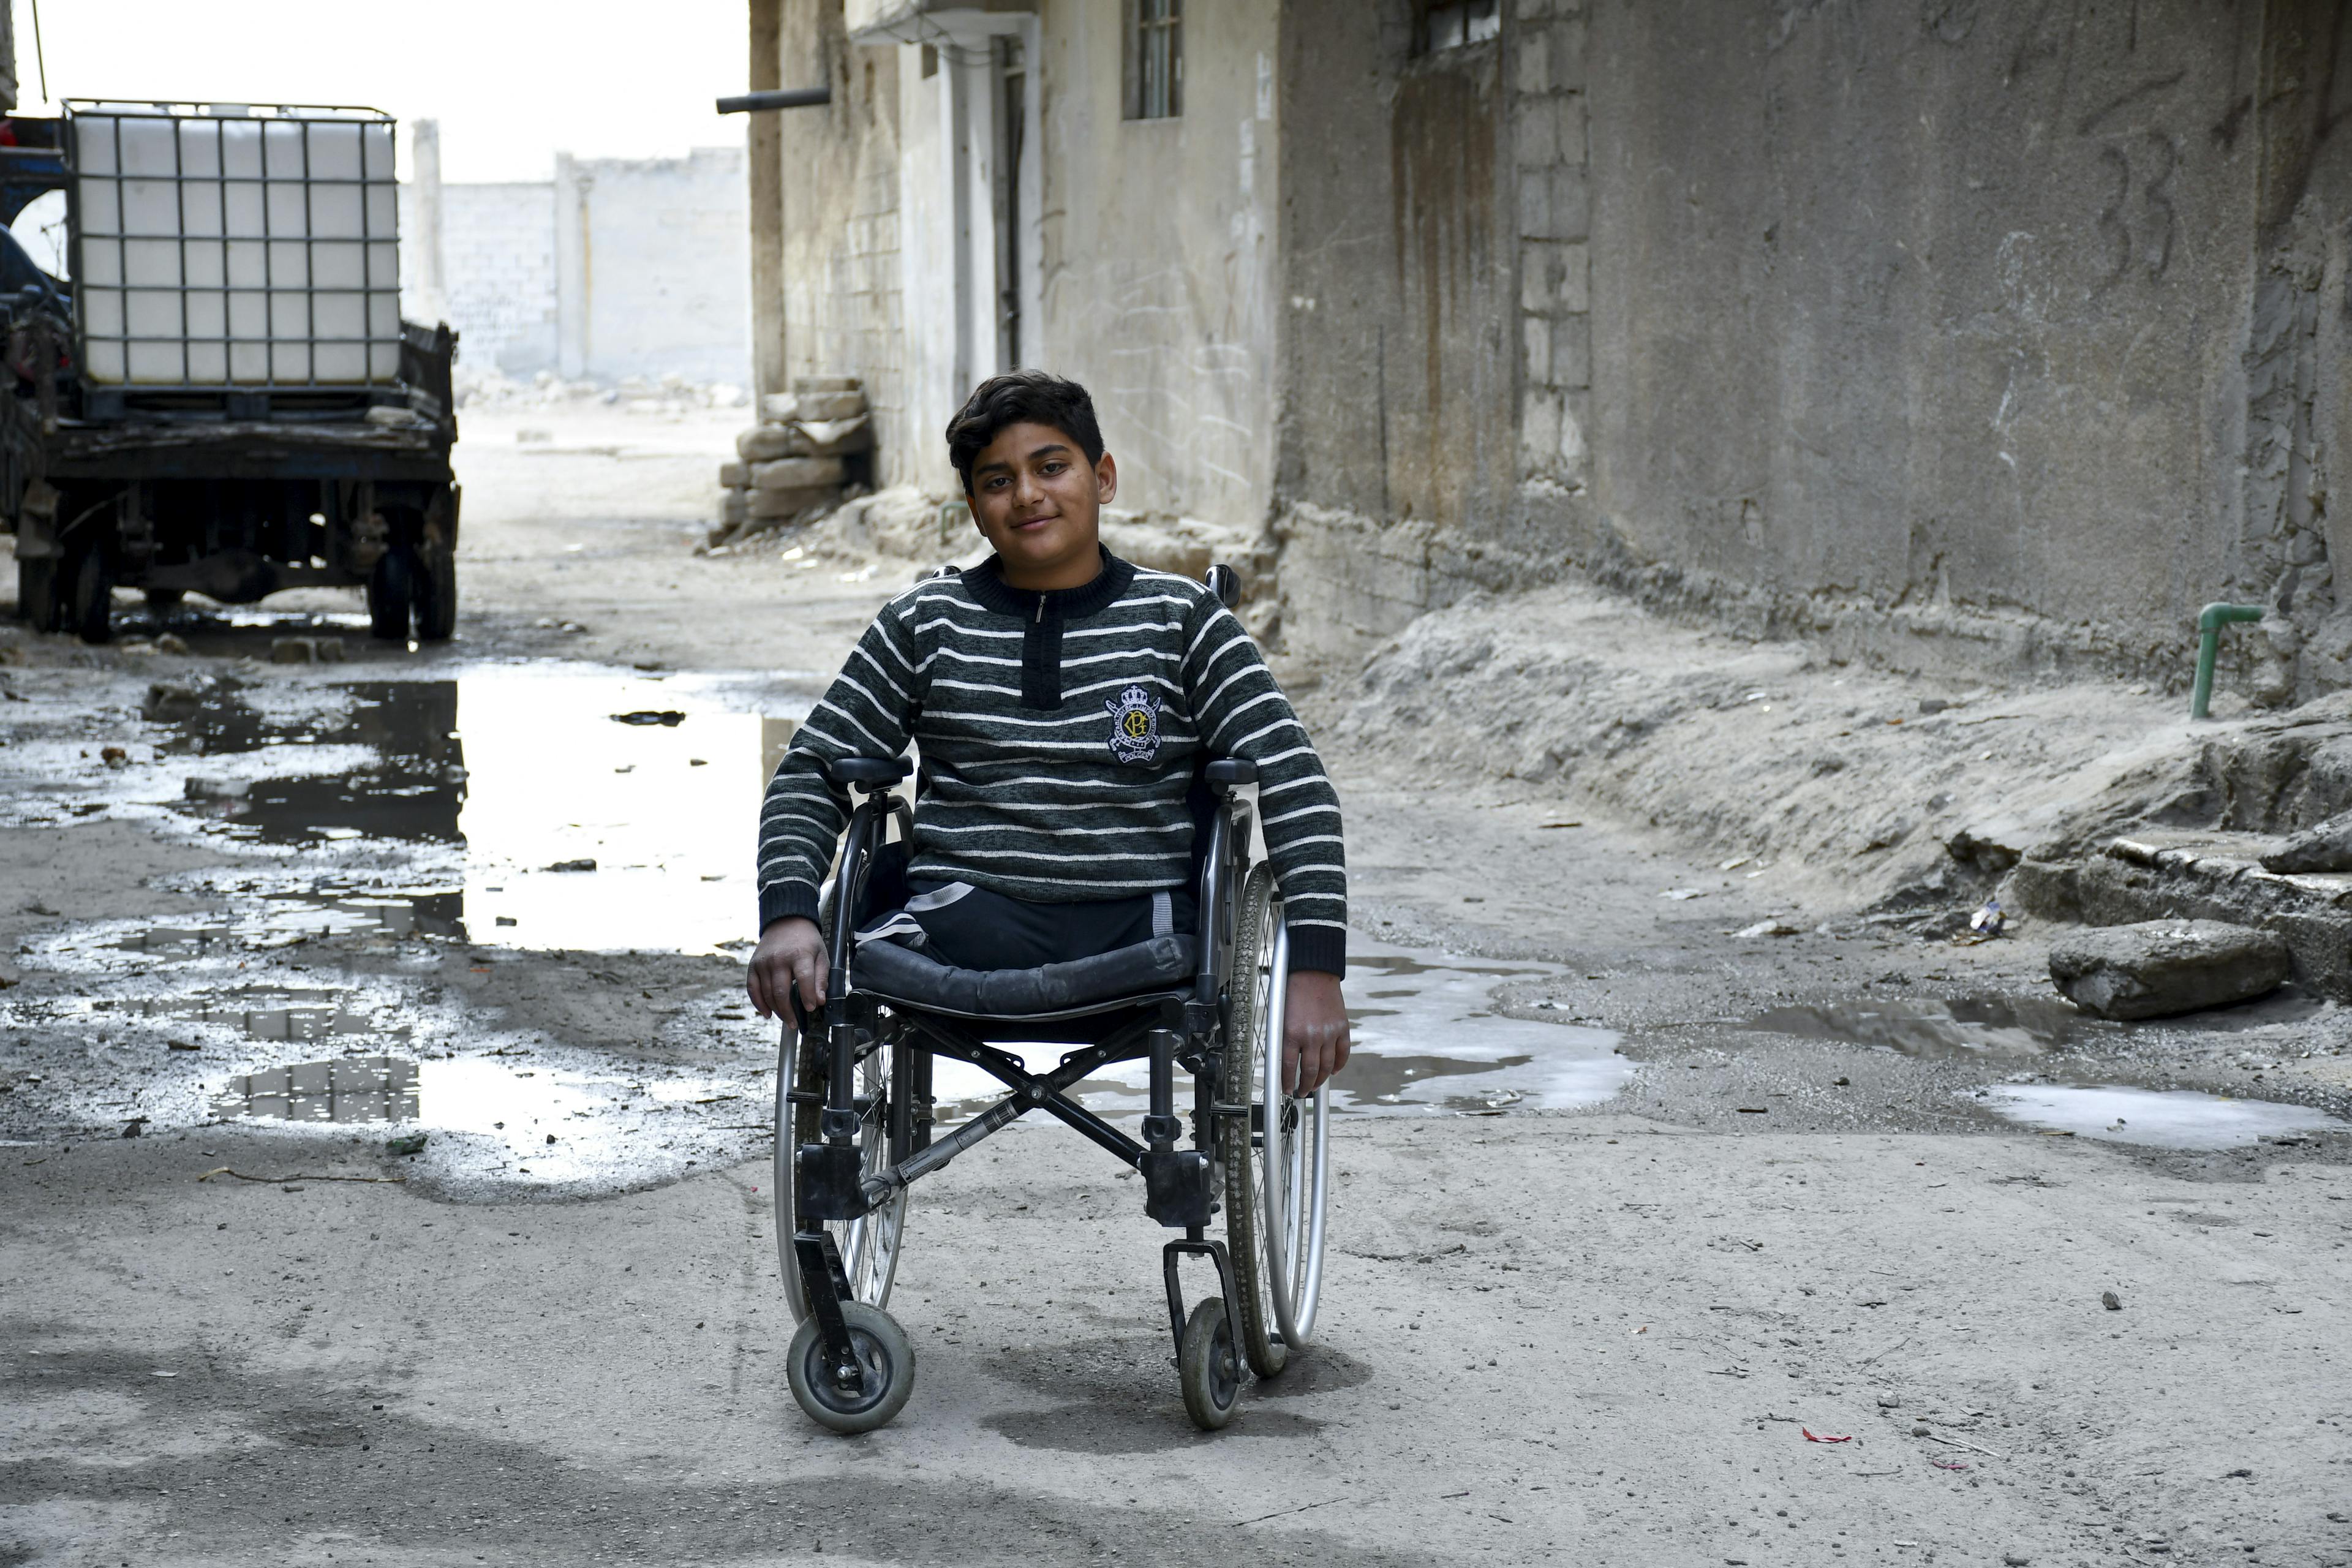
(1294, 1192)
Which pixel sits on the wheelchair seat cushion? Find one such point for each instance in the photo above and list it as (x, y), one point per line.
(898, 973)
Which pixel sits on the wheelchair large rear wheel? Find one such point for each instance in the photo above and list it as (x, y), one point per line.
(868, 1244)
(1277, 1162)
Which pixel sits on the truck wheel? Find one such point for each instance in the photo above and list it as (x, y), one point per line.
(390, 588)
(36, 593)
(88, 595)
(437, 593)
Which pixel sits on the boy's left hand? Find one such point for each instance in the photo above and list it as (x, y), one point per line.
(1315, 1042)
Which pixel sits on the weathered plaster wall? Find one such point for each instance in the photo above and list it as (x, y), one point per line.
(652, 263)
(842, 277)
(2000, 333)
(1435, 349)
(1159, 288)
(498, 254)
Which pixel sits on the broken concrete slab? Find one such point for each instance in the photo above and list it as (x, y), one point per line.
(2155, 969)
(2326, 847)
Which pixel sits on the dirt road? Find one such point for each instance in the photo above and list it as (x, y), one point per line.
(1653, 1242)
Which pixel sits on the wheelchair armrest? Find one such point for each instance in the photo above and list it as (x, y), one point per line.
(868, 773)
(1227, 772)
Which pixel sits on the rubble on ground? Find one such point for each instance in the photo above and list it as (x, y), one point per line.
(809, 449)
(2156, 969)
(487, 387)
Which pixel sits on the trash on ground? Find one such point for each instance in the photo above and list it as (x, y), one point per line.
(584, 863)
(1987, 923)
(1810, 1436)
(413, 1143)
(668, 718)
(1773, 927)
(2111, 1301)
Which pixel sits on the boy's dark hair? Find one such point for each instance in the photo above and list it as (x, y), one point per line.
(1020, 396)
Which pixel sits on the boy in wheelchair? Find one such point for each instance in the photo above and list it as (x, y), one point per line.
(1082, 725)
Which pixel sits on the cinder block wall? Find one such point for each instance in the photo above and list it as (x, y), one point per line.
(660, 269)
(498, 245)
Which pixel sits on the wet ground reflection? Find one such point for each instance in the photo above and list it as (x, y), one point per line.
(557, 827)
(2164, 1119)
(1428, 1039)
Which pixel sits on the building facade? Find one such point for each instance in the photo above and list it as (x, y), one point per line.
(2003, 335)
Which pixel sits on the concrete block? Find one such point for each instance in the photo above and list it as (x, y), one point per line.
(773, 506)
(1534, 202)
(768, 443)
(1564, 52)
(2158, 968)
(1536, 126)
(1572, 351)
(1571, 204)
(734, 476)
(824, 406)
(796, 473)
(734, 506)
(1535, 348)
(1568, 132)
(1540, 410)
(1531, 61)
(780, 408)
(1555, 279)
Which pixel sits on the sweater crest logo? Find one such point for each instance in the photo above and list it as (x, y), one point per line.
(1134, 725)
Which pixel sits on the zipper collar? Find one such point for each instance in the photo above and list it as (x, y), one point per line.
(986, 583)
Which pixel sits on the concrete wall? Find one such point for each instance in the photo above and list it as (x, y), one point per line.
(497, 271)
(1159, 258)
(653, 266)
(2006, 334)
(617, 267)
(1141, 259)
(1401, 464)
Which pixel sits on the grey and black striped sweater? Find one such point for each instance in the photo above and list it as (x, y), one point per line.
(1059, 734)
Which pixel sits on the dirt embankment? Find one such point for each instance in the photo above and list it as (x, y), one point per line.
(1868, 791)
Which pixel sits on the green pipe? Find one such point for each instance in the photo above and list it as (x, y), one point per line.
(2209, 622)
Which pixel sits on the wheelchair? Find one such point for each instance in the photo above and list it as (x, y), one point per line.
(855, 1127)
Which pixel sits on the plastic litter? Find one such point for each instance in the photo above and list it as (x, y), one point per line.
(1812, 1437)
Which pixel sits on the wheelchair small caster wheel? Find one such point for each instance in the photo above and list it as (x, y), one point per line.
(885, 1364)
(1208, 1369)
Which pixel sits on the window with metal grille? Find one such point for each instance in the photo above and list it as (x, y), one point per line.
(1158, 57)
(1451, 23)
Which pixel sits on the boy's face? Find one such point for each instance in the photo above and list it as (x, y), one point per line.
(1039, 502)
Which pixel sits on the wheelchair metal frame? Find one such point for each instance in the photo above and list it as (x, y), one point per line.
(1180, 1025)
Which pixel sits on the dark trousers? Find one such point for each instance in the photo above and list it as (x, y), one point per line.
(966, 927)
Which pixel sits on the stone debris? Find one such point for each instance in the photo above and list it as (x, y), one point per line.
(2158, 968)
(2326, 847)
(807, 452)
(305, 651)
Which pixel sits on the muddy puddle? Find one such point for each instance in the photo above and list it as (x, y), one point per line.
(514, 1121)
(1428, 1041)
(2162, 1118)
(531, 807)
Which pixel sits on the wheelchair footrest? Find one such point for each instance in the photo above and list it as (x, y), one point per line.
(1178, 1187)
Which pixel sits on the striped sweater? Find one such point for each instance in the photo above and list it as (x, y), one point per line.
(1059, 734)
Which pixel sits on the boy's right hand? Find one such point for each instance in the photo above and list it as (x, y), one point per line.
(791, 955)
